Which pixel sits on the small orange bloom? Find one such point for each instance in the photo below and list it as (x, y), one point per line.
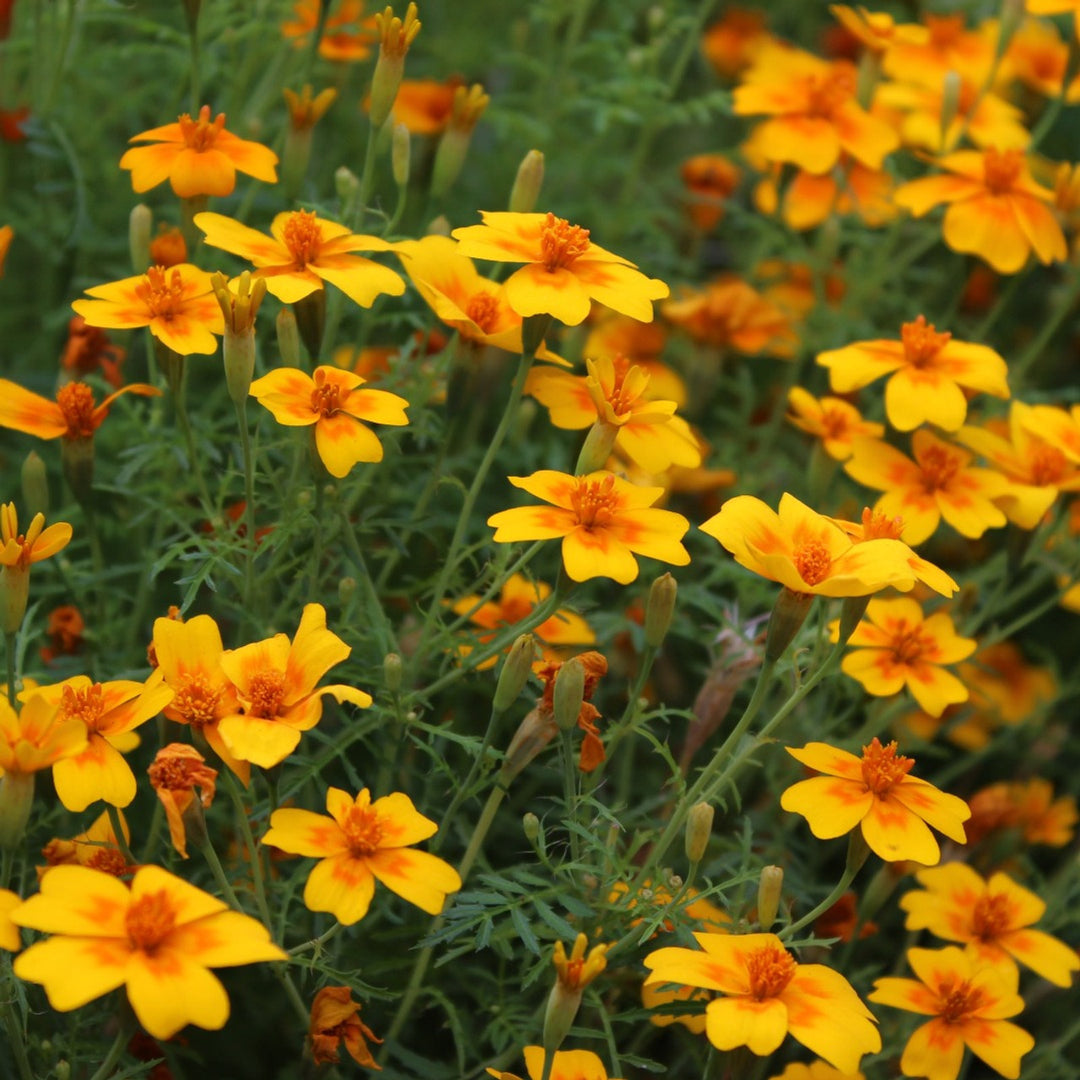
(65, 633)
(89, 350)
(347, 36)
(168, 248)
(709, 179)
(335, 1019)
(176, 771)
(876, 30)
(424, 105)
(1027, 805)
(72, 416)
(197, 157)
(7, 233)
(832, 420)
(97, 848)
(731, 43)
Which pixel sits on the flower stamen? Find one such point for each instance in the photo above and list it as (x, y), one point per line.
(882, 767)
(561, 243)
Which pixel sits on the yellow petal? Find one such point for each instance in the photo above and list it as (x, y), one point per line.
(743, 1021)
(342, 885)
(75, 970)
(169, 990)
(416, 876)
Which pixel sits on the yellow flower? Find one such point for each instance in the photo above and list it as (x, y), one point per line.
(969, 1006)
(876, 793)
(197, 157)
(177, 769)
(816, 1070)
(767, 995)
(603, 521)
(72, 416)
(9, 932)
(832, 420)
(927, 370)
(565, 1065)
(565, 270)
(159, 937)
(876, 30)
(36, 737)
(1028, 805)
(896, 646)
(346, 35)
(577, 971)
(991, 918)
(275, 687)
(335, 402)
(177, 304)
(305, 252)
(98, 848)
(20, 551)
(360, 842)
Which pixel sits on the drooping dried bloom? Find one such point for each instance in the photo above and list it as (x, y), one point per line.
(88, 350)
(335, 1019)
(176, 771)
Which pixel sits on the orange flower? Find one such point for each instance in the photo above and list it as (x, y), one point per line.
(359, 842)
(1028, 805)
(565, 1065)
(335, 1019)
(36, 737)
(304, 253)
(335, 402)
(7, 233)
(168, 248)
(19, 552)
(877, 793)
(949, 47)
(89, 350)
(197, 157)
(177, 304)
(939, 483)
(731, 43)
(65, 633)
(424, 105)
(97, 848)
(832, 420)
(564, 272)
(72, 416)
(175, 772)
(709, 179)
(1057, 7)
(603, 521)
(895, 646)
(347, 36)
(876, 30)
(996, 209)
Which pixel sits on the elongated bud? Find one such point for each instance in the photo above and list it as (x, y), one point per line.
(139, 223)
(399, 155)
(699, 823)
(530, 178)
(659, 610)
(788, 614)
(857, 853)
(347, 185)
(304, 113)
(516, 669)
(469, 106)
(238, 343)
(288, 338)
(310, 312)
(597, 447)
(35, 485)
(1012, 13)
(391, 667)
(569, 694)
(16, 800)
(346, 589)
(396, 35)
(851, 613)
(770, 886)
(531, 825)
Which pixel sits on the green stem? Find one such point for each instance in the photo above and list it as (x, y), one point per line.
(116, 1051)
(184, 423)
(315, 944)
(14, 1026)
(1049, 328)
(465, 787)
(9, 652)
(841, 887)
(218, 871)
(254, 853)
(249, 503)
(118, 832)
(570, 792)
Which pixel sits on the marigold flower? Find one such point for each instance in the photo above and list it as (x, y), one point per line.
(767, 995)
(97, 848)
(950, 46)
(564, 272)
(578, 970)
(72, 416)
(88, 350)
(732, 43)
(347, 36)
(424, 106)
(1028, 805)
(927, 370)
(996, 209)
(877, 30)
(335, 402)
(876, 792)
(177, 769)
(159, 937)
(176, 303)
(18, 553)
(360, 842)
(335, 1019)
(939, 483)
(7, 233)
(594, 667)
(565, 1065)
(65, 633)
(969, 1006)
(991, 918)
(10, 938)
(197, 157)
(275, 682)
(809, 553)
(730, 313)
(832, 420)
(603, 521)
(37, 736)
(168, 248)
(816, 1070)
(709, 180)
(517, 599)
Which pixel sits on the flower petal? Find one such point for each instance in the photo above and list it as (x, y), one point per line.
(417, 876)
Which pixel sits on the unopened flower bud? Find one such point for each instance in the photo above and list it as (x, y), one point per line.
(1012, 12)
(574, 973)
(659, 610)
(788, 614)
(139, 222)
(346, 589)
(569, 694)
(531, 824)
(396, 35)
(699, 824)
(516, 669)
(597, 447)
(62, 1069)
(952, 89)
(851, 613)
(469, 106)
(770, 885)
(168, 248)
(16, 800)
(304, 113)
(239, 309)
(392, 669)
(438, 226)
(346, 184)
(288, 338)
(399, 155)
(35, 484)
(527, 184)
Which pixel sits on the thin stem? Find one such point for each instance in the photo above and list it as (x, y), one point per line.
(184, 423)
(118, 832)
(15, 1028)
(9, 651)
(254, 853)
(218, 871)
(1048, 329)
(841, 887)
(570, 792)
(123, 1037)
(249, 502)
(315, 944)
(465, 787)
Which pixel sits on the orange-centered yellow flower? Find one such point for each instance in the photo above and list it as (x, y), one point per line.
(810, 553)
(73, 415)
(578, 970)
(565, 1065)
(832, 420)
(996, 209)
(197, 157)
(159, 937)
(992, 918)
(603, 521)
(36, 737)
(927, 370)
(20, 551)
(969, 1005)
(359, 842)
(177, 304)
(565, 270)
(303, 253)
(275, 686)
(877, 793)
(767, 995)
(336, 402)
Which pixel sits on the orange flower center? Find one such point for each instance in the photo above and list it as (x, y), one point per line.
(1001, 168)
(992, 916)
(161, 295)
(303, 236)
(200, 135)
(945, 30)
(110, 860)
(483, 309)
(620, 397)
(770, 970)
(957, 1001)
(826, 93)
(1048, 465)
(86, 705)
(812, 559)
(595, 502)
(834, 423)
(909, 646)
(922, 342)
(877, 525)
(561, 243)
(326, 397)
(363, 830)
(172, 774)
(513, 609)
(197, 698)
(76, 401)
(939, 467)
(265, 692)
(150, 920)
(882, 767)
